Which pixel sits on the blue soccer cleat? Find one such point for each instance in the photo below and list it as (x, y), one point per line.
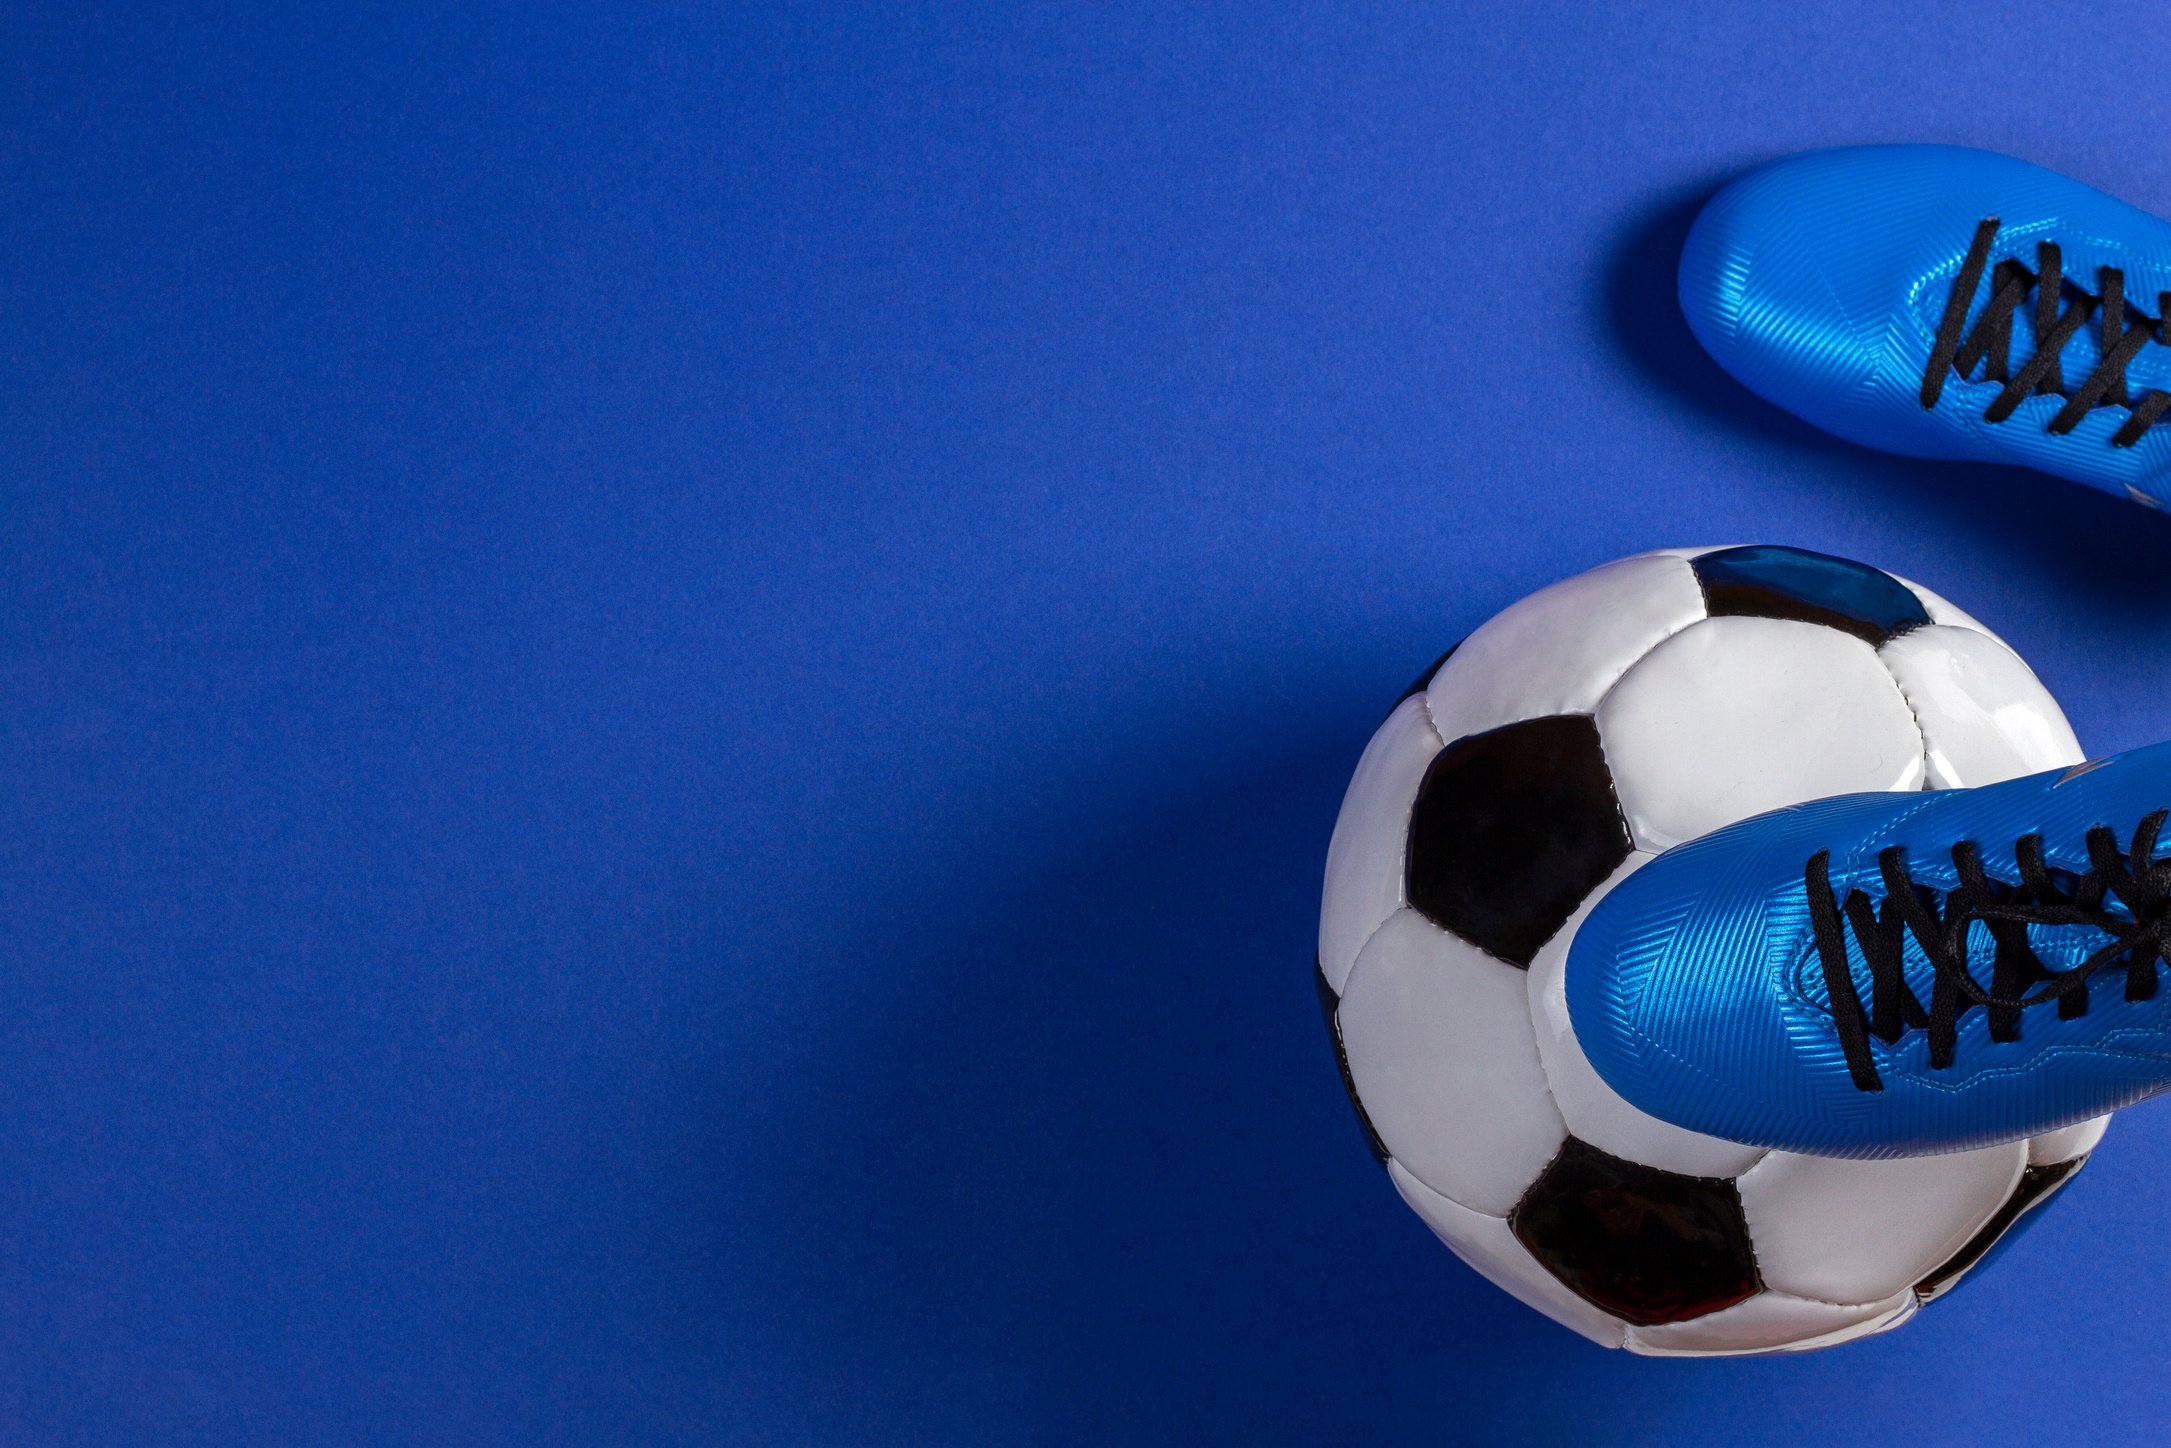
(1894, 974)
(1945, 303)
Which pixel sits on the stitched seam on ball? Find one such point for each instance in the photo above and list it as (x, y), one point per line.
(1921, 731)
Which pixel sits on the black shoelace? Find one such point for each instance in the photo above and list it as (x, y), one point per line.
(2140, 936)
(2124, 333)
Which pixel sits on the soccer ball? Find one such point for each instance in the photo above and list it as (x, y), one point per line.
(1552, 752)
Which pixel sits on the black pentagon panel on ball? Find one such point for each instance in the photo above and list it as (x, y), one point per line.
(1511, 829)
(2038, 1184)
(1769, 581)
(1329, 1004)
(1646, 1245)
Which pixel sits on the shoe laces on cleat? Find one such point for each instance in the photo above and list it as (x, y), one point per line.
(2123, 332)
(2126, 895)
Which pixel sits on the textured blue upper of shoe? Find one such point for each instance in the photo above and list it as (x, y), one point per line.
(1820, 281)
(1699, 991)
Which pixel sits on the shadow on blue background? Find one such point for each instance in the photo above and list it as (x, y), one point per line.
(1088, 1171)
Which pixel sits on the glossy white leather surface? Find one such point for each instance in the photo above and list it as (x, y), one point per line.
(1439, 1043)
(1364, 882)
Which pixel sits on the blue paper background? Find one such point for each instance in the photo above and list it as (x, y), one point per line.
(674, 683)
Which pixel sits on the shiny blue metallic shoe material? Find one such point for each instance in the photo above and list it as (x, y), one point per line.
(1894, 974)
(1826, 282)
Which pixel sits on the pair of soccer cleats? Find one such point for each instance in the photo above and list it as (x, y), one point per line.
(1893, 974)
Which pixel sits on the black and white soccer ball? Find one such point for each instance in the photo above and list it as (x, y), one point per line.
(1559, 747)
